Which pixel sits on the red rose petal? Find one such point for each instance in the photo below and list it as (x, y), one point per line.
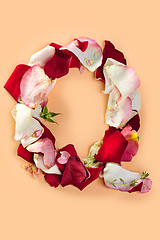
(58, 65)
(81, 45)
(75, 63)
(53, 179)
(113, 147)
(24, 153)
(71, 150)
(134, 122)
(109, 51)
(13, 83)
(74, 173)
(94, 174)
(136, 188)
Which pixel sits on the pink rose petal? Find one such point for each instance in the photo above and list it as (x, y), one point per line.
(34, 86)
(45, 146)
(64, 157)
(90, 57)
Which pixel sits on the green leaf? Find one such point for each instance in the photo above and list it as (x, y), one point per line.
(50, 120)
(45, 109)
(51, 114)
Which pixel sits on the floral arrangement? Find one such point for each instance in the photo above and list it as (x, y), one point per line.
(30, 84)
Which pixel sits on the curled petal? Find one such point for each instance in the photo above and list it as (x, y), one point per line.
(123, 77)
(93, 175)
(34, 87)
(39, 162)
(109, 51)
(113, 147)
(42, 56)
(64, 157)
(117, 114)
(70, 149)
(45, 146)
(26, 126)
(13, 83)
(116, 177)
(87, 51)
(74, 173)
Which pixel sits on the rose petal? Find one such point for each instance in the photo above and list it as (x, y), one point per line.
(42, 56)
(58, 66)
(13, 83)
(136, 100)
(109, 51)
(34, 87)
(91, 57)
(45, 146)
(68, 148)
(64, 157)
(24, 153)
(74, 173)
(123, 77)
(39, 159)
(132, 146)
(75, 63)
(53, 179)
(134, 122)
(113, 147)
(117, 114)
(118, 178)
(93, 175)
(26, 125)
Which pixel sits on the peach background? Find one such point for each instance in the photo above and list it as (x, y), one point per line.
(30, 209)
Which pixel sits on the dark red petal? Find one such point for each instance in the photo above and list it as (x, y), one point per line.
(24, 153)
(75, 172)
(13, 83)
(136, 188)
(71, 150)
(81, 45)
(75, 63)
(134, 122)
(94, 174)
(109, 51)
(113, 147)
(58, 65)
(53, 179)
(55, 45)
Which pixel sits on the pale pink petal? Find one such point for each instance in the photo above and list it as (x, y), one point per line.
(38, 159)
(116, 115)
(118, 178)
(42, 56)
(26, 126)
(45, 146)
(109, 85)
(90, 55)
(64, 157)
(34, 86)
(122, 76)
(136, 100)
(147, 184)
